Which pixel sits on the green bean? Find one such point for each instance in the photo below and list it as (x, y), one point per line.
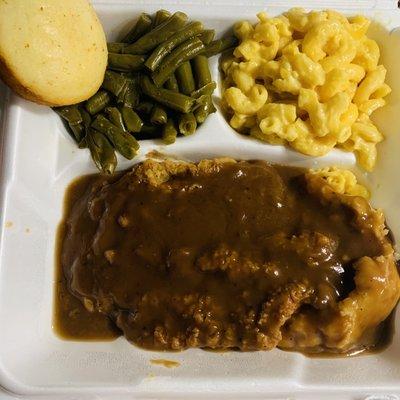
(219, 46)
(149, 132)
(144, 107)
(158, 116)
(177, 57)
(205, 90)
(187, 124)
(86, 118)
(70, 114)
(207, 36)
(115, 117)
(86, 121)
(83, 143)
(131, 119)
(123, 142)
(169, 132)
(122, 93)
(184, 76)
(78, 131)
(201, 71)
(172, 84)
(113, 82)
(102, 152)
(97, 102)
(157, 35)
(175, 40)
(125, 62)
(203, 110)
(161, 16)
(141, 27)
(115, 47)
(169, 98)
(129, 96)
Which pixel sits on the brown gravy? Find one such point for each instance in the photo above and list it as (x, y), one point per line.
(72, 320)
(217, 259)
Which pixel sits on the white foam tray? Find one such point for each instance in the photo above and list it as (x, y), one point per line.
(38, 161)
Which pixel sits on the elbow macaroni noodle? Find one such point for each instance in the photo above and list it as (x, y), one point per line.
(309, 80)
(342, 181)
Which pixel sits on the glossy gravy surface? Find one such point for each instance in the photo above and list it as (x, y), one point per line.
(200, 260)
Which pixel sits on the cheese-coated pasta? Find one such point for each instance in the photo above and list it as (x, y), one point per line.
(307, 80)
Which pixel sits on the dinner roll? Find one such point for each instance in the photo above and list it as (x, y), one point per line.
(52, 52)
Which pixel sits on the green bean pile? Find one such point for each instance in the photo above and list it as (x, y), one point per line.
(157, 85)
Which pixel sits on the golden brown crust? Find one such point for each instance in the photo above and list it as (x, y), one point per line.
(277, 311)
(156, 173)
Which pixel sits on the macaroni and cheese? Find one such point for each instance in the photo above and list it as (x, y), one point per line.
(309, 80)
(342, 181)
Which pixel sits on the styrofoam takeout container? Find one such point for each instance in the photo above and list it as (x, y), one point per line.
(39, 160)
